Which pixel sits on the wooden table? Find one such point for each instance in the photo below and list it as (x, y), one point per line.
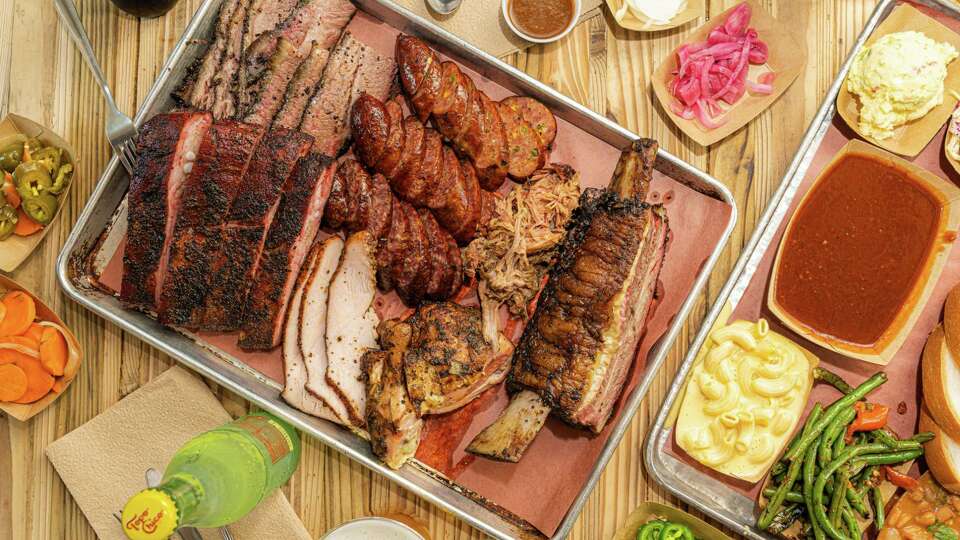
(42, 76)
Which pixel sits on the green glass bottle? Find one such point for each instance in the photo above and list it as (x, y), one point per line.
(216, 478)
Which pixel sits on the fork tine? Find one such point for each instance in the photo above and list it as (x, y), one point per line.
(125, 161)
(130, 150)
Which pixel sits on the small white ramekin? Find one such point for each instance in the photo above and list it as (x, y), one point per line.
(505, 12)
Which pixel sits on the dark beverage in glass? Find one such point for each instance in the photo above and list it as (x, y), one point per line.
(145, 8)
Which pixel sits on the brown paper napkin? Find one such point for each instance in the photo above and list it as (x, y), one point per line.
(480, 23)
(103, 461)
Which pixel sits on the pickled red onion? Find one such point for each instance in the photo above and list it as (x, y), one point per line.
(716, 70)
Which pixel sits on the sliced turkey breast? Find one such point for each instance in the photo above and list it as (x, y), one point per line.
(313, 324)
(294, 391)
(352, 322)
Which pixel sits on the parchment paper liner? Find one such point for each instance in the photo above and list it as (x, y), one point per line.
(911, 138)
(889, 343)
(786, 59)
(541, 488)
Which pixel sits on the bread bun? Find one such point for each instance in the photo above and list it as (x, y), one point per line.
(941, 379)
(942, 453)
(951, 321)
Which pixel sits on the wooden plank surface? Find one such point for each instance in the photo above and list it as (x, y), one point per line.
(600, 65)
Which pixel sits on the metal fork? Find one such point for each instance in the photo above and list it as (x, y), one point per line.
(121, 132)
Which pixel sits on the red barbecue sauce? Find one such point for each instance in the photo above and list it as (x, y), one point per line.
(857, 248)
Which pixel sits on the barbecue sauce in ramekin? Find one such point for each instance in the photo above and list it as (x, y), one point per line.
(541, 19)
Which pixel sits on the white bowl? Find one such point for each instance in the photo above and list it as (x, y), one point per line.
(505, 11)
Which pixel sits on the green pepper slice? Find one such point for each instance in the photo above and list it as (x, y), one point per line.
(62, 180)
(10, 156)
(8, 221)
(652, 529)
(676, 531)
(32, 179)
(50, 157)
(41, 208)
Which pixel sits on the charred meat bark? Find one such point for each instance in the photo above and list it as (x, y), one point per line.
(242, 239)
(392, 422)
(577, 350)
(292, 232)
(312, 21)
(167, 147)
(448, 363)
(208, 193)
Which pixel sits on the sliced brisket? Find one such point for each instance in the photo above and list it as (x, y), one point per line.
(197, 88)
(244, 233)
(167, 142)
(224, 86)
(291, 234)
(263, 99)
(353, 68)
(208, 194)
(305, 83)
(319, 21)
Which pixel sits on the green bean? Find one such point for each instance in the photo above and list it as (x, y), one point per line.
(793, 471)
(878, 507)
(839, 495)
(890, 458)
(819, 514)
(833, 431)
(833, 411)
(855, 500)
(831, 378)
(780, 467)
(851, 521)
(809, 466)
(841, 442)
(792, 496)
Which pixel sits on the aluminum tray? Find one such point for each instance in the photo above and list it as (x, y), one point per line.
(108, 203)
(679, 478)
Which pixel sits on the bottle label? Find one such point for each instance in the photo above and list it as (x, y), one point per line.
(268, 432)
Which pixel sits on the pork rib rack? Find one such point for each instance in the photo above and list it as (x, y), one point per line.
(576, 352)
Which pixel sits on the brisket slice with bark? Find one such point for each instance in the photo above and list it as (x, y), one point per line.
(577, 350)
(225, 86)
(208, 194)
(245, 231)
(353, 68)
(167, 143)
(262, 100)
(312, 21)
(292, 232)
(196, 90)
(304, 84)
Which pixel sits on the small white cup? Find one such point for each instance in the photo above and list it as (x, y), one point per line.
(373, 528)
(505, 11)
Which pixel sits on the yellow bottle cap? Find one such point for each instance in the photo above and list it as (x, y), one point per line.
(150, 515)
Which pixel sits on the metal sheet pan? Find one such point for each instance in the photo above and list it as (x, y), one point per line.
(107, 204)
(708, 494)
